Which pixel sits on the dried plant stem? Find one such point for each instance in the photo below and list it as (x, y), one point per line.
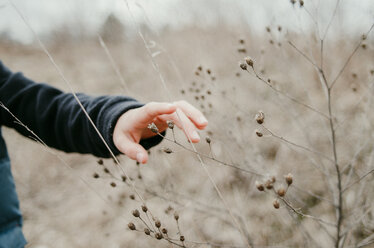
(358, 180)
(272, 134)
(301, 214)
(212, 157)
(286, 95)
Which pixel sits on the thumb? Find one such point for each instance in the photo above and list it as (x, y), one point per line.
(133, 150)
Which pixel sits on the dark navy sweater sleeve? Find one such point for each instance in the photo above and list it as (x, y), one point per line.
(57, 118)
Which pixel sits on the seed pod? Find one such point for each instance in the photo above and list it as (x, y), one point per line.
(147, 231)
(208, 71)
(167, 150)
(144, 208)
(164, 231)
(289, 179)
(273, 179)
(249, 61)
(132, 197)
(131, 226)
(269, 184)
(301, 3)
(113, 184)
(208, 140)
(158, 223)
(281, 192)
(200, 68)
(268, 29)
(158, 236)
(106, 170)
(176, 216)
(276, 204)
(124, 178)
(95, 175)
(258, 133)
(260, 186)
(136, 213)
(170, 124)
(153, 127)
(293, 1)
(364, 37)
(181, 238)
(100, 162)
(260, 117)
(243, 66)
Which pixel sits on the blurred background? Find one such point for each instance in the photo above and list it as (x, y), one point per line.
(197, 46)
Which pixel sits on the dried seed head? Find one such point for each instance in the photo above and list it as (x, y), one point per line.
(131, 226)
(158, 236)
(170, 124)
(269, 184)
(158, 223)
(276, 204)
(364, 37)
(208, 71)
(106, 170)
(301, 3)
(281, 192)
(268, 29)
(176, 216)
(153, 127)
(100, 162)
(208, 140)
(167, 150)
(260, 117)
(132, 197)
(249, 61)
(260, 186)
(144, 208)
(124, 178)
(243, 66)
(200, 68)
(273, 179)
(293, 1)
(258, 133)
(241, 41)
(363, 46)
(95, 175)
(289, 179)
(279, 28)
(181, 238)
(113, 184)
(164, 231)
(147, 231)
(136, 213)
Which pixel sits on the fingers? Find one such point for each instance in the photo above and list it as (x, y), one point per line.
(193, 114)
(185, 124)
(132, 149)
(152, 110)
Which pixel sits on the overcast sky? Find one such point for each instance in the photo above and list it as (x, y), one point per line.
(354, 16)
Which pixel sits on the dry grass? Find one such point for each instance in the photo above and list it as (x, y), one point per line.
(60, 210)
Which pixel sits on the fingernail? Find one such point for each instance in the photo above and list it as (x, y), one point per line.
(140, 157)
(195, 136)
(202, 120)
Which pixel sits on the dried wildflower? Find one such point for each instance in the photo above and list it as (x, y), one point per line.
(158, 223)
(260, 186)
(364, 37)
(113, 184)
(158, 236)
(147, 231)
(260, 117)
(289, 179)
(259, 134)
(164, 231)
(181, 238)
(276, 204)
(153, 127)
(170, 124)
(124, 178)
(280, 28)
(132, 226)
(144, 208)
(106, 170)
(243, 66)
(269, 184)
(208, 140)
(167, 150)
(301, 2)
(200, 68)
(208, 71)
(132, 197)
(136, 213)
(176, 216)
(281, 192)
(100, 162)
(241, 41)
(273, 179)
(293, 1)
(268, 29)
(242, 50)
(208, 92)
(249, 61)
(95, 175)
(363, 46)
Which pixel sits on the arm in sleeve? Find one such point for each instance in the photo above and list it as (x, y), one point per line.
(57, 118)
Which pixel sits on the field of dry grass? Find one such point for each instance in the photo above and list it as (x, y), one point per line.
(64, 206)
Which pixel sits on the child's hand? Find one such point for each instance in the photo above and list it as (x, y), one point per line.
(132, 126)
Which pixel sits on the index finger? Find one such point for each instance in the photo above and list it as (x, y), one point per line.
(153, 109)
